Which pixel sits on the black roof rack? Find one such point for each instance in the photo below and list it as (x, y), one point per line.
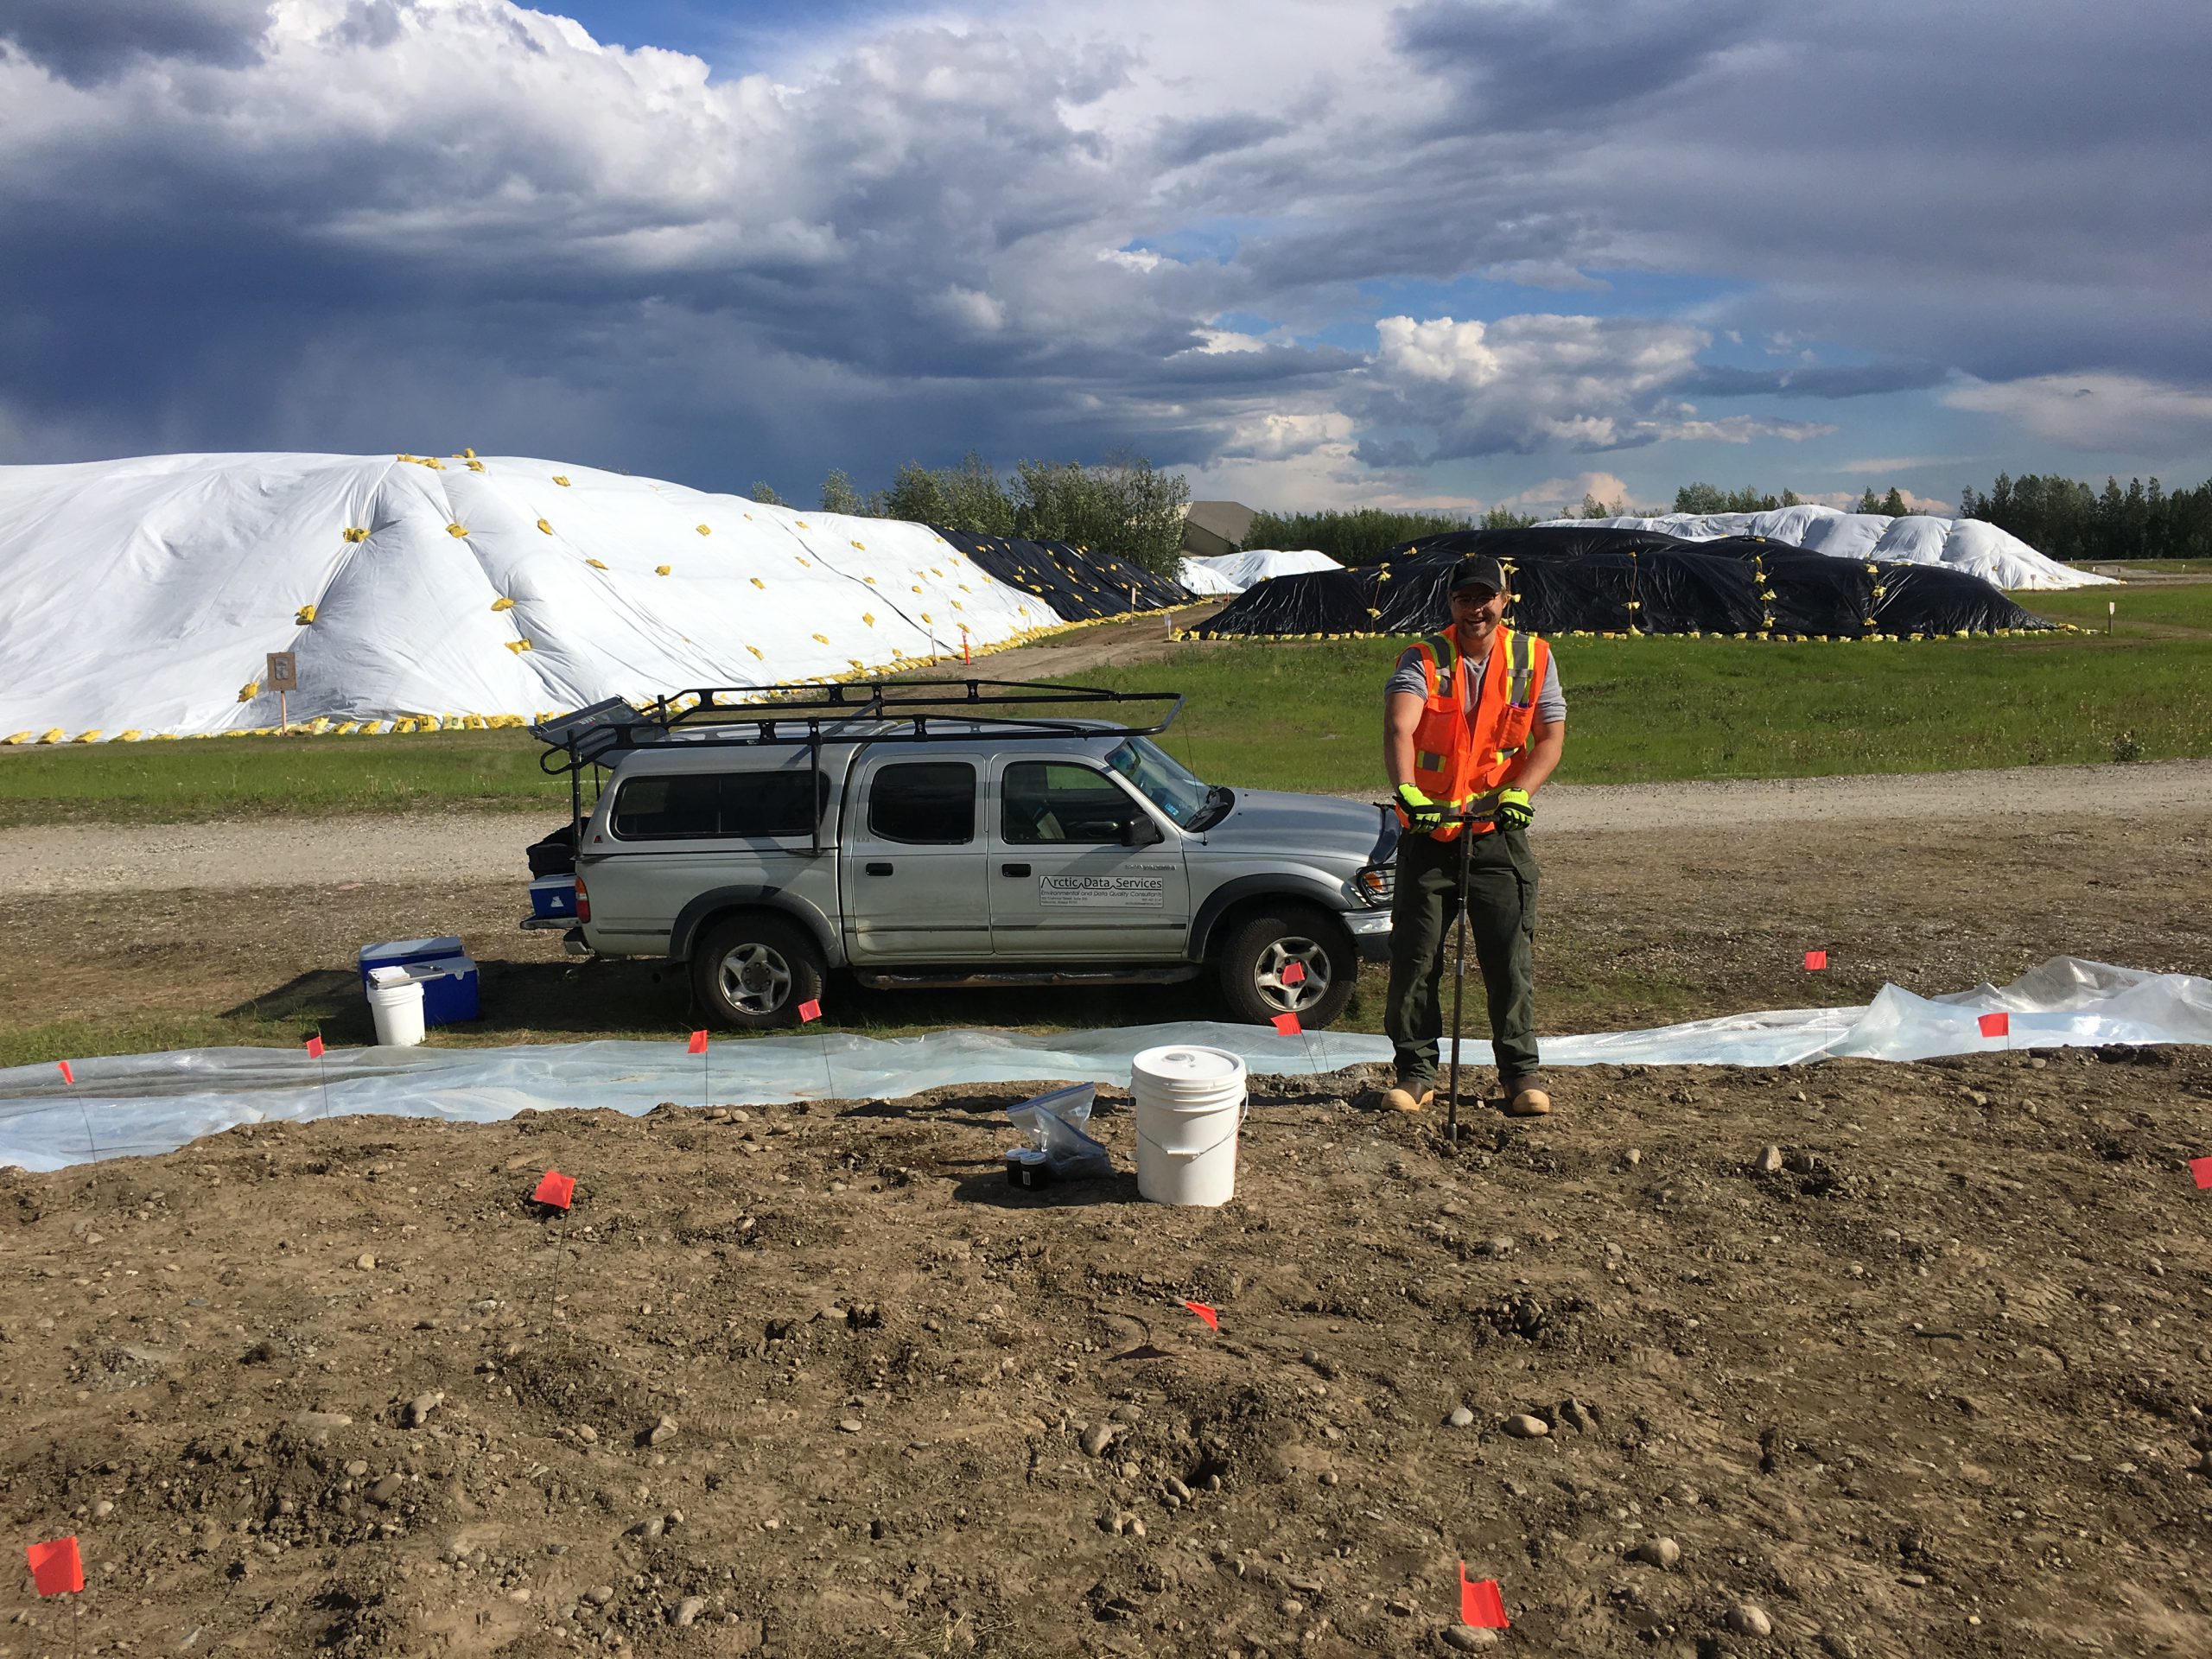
(813, 712)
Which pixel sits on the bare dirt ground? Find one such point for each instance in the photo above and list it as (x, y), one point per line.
(815, 1380)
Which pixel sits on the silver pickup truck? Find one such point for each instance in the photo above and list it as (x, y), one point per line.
(918, 838)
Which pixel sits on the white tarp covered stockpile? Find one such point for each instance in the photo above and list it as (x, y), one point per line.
(1968, 544)
(148, 1103)
(1232, 573)
(143, 596)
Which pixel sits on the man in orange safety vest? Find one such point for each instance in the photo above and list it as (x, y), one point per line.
(1473, 724)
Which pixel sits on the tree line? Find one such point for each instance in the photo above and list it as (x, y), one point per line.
(2066, 519)
(1124, 506)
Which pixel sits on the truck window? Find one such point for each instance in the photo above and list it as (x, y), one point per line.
(1054, 801)
(929, 802)
(700, 805)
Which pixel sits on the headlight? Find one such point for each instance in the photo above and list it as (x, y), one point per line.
(1373, 883)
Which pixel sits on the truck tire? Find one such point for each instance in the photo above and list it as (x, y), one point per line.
(753, 971)
(1262, 946)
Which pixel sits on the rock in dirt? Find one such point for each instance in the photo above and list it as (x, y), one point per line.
(365, 1261)
(321, 1422)
(1500, 1245)
(1469, 1638)
(1658, 1551)
(1523, 1426)
(587, 1433)
(385, 1490)
(1096, 1440)
(662, 1432)
(420, 1407)
(1176, 1490)
(1745, 1619)
(599, 1594)
(1768, 1161)
(687, 1612)
(1460, 1417)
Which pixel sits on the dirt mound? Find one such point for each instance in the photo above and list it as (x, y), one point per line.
(1894, 1360)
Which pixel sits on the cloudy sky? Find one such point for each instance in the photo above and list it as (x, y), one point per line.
(1309, 251)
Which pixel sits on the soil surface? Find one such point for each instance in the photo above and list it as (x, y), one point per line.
(1929, 1377)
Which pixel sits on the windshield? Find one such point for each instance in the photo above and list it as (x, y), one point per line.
(1163, 779)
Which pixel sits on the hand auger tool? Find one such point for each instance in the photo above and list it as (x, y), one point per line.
(1466, 821)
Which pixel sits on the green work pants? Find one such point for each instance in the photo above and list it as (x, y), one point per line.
(1502, 923)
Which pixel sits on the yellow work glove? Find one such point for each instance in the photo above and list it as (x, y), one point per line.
(1514, 811)
(1422, 814)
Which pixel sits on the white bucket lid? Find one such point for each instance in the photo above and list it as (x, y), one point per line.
(1188, 1063)
(388, 978)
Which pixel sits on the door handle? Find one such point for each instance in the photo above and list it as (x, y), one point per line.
(1013, 869)
(879, 869)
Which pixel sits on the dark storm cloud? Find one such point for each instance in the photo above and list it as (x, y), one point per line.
(360, 220)
(87, 42)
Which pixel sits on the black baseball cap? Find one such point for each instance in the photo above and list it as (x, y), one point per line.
(1478, 572)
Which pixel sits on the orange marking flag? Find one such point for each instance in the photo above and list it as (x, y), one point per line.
(56, 1568)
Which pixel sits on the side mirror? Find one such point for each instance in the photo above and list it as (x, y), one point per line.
(1140, 830)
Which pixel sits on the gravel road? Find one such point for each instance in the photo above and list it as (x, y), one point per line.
(466, 846)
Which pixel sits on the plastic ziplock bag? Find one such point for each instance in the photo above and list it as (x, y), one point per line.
(1053, 1121)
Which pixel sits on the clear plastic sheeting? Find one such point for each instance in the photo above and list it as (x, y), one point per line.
(148, 1103)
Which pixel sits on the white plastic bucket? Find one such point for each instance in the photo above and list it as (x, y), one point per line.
(396, 1002)
(1188, 1102)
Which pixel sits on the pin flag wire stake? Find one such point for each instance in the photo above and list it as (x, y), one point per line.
(1480, 1605)
(1997, 1024)
(56, 1567)
(699, 1047)
(315, 1052)
(808, 1011)
(67, 1076)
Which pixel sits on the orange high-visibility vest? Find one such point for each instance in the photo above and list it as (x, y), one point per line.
(1463, 760)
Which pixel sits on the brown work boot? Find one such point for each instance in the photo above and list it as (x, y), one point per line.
(1409, 1095)
(1529, 1100)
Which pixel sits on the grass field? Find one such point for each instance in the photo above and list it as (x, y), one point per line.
(1306, 716)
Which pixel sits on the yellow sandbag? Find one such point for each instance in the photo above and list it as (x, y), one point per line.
(594, 564)
(547, 528)
(456, 531)
(250, 691)
(503, 604)
(471, 453)
(823, 638)
(355, 533)
(761, 585)
(868, 617)
(475, 465)
(562, 482)
(306, 615)
(703, 530)
(130, 736)
(861, 545)
(756, 650)
(91, 736)
(660, 570)
(517, 646)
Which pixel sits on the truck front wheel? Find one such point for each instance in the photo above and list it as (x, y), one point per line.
(752, 972)
(1260, 981)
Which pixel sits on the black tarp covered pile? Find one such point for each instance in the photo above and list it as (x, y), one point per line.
(1079, 586)
(1569, 580)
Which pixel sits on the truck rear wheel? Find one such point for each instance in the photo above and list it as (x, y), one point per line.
(1264, 947)
(753, 972)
